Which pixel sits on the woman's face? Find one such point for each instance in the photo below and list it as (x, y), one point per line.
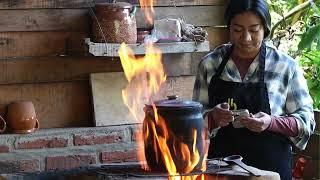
(246, 33)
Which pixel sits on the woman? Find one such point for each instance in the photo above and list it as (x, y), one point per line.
(249, 74)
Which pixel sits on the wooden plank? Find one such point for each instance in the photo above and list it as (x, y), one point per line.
(217, 36)
(195, 15)
(108, 105)
(44, 20)
(112, 50)
(48, 69)
(65, 104)
(38, 4)
(28, 4)
(176, 2)
(79, 19)
(43, 69)
(28, 44)
(52, 69)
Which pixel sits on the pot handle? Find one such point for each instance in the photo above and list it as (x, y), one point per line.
(4, 125)
(133, 11)
(172, 97)
(37, 124)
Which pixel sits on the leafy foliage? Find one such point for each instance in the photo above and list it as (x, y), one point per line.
(297, 32)
(310, 62)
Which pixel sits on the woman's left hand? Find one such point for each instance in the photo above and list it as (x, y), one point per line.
(257, 122)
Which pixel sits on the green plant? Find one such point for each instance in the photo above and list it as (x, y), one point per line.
(309, 58)
(310, 62)
(296, 31)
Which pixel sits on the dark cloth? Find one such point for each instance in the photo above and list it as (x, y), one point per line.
(265, 150)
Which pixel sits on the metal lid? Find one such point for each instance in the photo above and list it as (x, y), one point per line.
(173, 101)
(117, 5)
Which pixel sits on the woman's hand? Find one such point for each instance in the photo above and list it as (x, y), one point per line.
(257, 122)
(220, 115)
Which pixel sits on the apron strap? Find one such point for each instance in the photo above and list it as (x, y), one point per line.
(225, 59)
(262, 61)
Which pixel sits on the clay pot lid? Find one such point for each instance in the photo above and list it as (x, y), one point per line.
(117, 5)
(174, 102)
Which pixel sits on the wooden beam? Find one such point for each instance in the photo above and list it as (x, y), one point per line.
(171, 3)
(36, 4)
(217, 36)
(68, 68)
(195, 15)
(80, 19)
(44, 20)
(31, 44)
(45, 4)
(53, 69)
(55, 43)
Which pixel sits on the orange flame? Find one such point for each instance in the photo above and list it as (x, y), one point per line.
(190, 158)
(145, 76)
(147, 6)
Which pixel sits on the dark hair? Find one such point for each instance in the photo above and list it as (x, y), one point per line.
(259, 7)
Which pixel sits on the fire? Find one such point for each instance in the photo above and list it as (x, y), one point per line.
(147, 6)
(145, 76)
(190, 158)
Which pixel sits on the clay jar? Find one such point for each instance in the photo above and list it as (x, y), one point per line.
(114, 23)
(21, 117)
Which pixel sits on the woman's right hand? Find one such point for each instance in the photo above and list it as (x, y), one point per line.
(220, 116)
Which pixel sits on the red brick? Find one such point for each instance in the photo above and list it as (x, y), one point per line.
(43, 143)
(4, 149)
(119, 156)
(29, 165)
(80, 140)
(69, 162)
(136, 135)
(19, 166)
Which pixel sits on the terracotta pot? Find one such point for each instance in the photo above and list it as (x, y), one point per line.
(181, 118)
(22, 118)
(114, 23)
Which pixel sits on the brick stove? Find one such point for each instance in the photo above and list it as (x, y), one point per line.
(66, 148)
(84, 153)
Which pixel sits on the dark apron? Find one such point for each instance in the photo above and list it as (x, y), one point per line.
(265, 150)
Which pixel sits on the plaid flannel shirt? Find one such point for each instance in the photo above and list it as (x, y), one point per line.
(287, 88)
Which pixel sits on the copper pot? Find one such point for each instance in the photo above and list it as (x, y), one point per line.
(22, 118)
(114, 23)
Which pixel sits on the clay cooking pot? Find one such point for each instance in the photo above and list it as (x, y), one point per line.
(114, 23)
(181, 118)
(22, 118)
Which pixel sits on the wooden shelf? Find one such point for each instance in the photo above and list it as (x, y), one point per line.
(111, 50)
